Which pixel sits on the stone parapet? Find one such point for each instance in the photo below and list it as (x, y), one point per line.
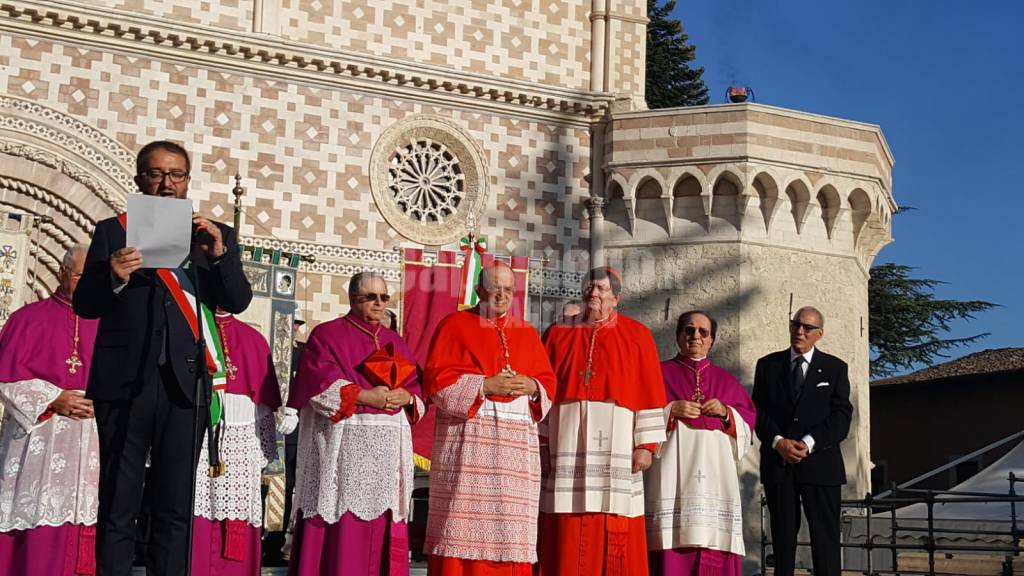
(747, 172)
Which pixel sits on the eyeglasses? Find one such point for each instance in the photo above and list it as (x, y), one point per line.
(807, 328)
(371, 297)
(155, 176)
(691, 330)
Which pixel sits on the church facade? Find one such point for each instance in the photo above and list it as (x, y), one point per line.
(360, 127)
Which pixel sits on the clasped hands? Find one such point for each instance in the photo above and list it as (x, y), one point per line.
(129, 259)
(384, 398)
(687, 410)
(792, 451)
(73, 404)
(506, 384)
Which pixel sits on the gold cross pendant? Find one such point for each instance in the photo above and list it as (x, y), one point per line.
(231, 369)
(73, 363)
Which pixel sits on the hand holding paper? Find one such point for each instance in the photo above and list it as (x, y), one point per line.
(160, 228)
(125, 261)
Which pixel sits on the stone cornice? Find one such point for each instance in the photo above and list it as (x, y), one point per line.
(273, 57)
(750, 159)
(775, 110)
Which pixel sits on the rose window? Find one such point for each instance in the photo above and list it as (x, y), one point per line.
(426, 182)
(429, 179)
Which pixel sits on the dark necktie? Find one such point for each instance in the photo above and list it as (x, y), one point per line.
(797, 377)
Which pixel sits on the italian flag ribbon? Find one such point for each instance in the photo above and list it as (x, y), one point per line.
(474, 249)
(182, 291)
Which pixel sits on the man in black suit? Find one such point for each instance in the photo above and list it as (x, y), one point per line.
(144, 372)
(803, 405)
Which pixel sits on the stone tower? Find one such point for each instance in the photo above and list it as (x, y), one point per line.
(748, 211)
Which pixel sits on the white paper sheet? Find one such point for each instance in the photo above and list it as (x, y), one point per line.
(160, 228)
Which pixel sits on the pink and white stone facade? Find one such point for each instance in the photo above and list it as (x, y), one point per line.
(535, 108)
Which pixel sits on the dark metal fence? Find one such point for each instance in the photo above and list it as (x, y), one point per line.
(884, 507)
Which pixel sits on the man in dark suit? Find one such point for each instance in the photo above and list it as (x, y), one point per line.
(144, 375)
(803, 405)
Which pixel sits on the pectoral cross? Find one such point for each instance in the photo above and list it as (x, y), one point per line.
(73, 362)
(586, 375)
(230, 368)
(600, 439)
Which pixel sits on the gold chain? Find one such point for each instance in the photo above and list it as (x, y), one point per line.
(588, 372)
(698, 393)
(74, 361)
(504, 347)
(375, 334)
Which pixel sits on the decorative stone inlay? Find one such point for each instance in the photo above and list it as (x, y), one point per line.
(226, 48)
(429, 179)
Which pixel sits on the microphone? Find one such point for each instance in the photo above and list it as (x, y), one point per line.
(200, 236)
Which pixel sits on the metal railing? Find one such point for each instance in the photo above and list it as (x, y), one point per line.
(900, 529)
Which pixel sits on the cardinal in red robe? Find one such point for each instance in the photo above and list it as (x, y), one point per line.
(602, 432)
(490, 380)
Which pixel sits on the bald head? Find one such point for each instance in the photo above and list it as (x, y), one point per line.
(811, 312)
(496, 270)
(495, 289)
(806, 328)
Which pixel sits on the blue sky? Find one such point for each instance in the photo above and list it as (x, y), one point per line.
(944, 79)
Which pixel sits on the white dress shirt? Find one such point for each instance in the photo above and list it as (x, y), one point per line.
(793, 354)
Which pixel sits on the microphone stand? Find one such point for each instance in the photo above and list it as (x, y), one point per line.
(199, 389)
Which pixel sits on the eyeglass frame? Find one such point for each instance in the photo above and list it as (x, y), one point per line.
(172, 176)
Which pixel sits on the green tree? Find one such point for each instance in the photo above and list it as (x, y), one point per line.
(670, 79)
(907, 321)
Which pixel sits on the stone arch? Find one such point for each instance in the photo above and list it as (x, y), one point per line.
(619, 209)
(725, 197)
(798, 194)
(860, 210)
(688, 172)
(63, 170)
(649, 201)
(829, 206)
(689, 206)
(766, 190)
(642, 178)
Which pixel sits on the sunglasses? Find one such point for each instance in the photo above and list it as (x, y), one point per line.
(807, 328)
(371, 297)
(691, 330)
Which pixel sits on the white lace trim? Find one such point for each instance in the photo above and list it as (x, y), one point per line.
(362, 464)
(247, 444)
(328, 402)
(50, 470)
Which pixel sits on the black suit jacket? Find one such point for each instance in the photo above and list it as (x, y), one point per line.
(133, 322)
(822, 410)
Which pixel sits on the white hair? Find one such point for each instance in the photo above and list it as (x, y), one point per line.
(68, 262)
